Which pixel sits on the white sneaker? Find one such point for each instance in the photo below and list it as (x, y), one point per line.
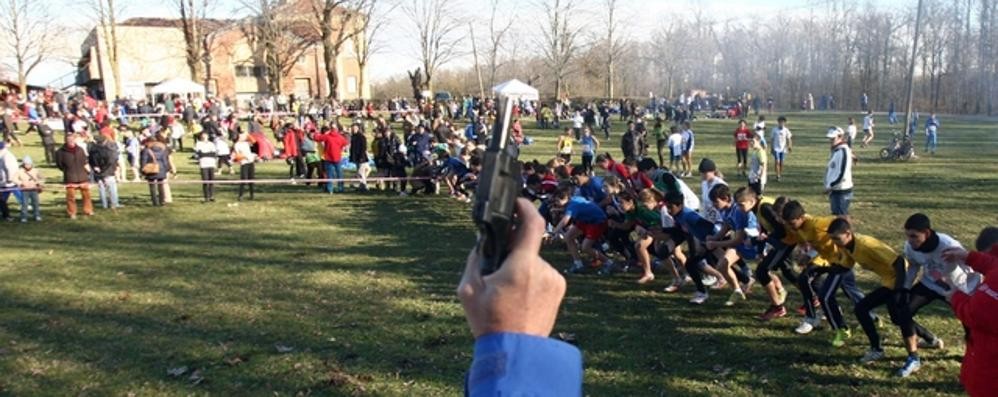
(809, 324)
(871, 356)
(736, 296)
(699, 298)
(936, 344)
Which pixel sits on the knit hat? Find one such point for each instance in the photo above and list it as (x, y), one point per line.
(27, 160)
(707, 165)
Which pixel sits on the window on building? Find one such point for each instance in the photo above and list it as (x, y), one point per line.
(259, 71)
(352, 84)
(301, 59)
(242, 71)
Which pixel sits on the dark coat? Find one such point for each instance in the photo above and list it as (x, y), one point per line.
(73, 164)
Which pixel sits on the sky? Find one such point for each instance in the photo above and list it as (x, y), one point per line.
(638, 17)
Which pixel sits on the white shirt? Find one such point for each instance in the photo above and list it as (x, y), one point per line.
(851, 130)
(707, 209)
(781, 136)
(243, 149)
(207, 154)
(839, 174)
(222, 147)
(676, 143)
(688, 140)
(577, 121)
(868, 122)
(933, 267)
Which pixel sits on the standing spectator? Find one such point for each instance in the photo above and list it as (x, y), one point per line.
(838, 178)
(892, 115)
(743, 138)
(577, 121)
(629, 142)
(931, 128)
(47, 135)
(292, 151)
(589, 147)
(660, 140)
(207, 155)
(71, 159)
(133, 149)
(868, 128)
(333, 143)
(757, 166)
(104, 162)
(358, 154)
(8, 166)
(782, 144)
(851, 132)
(864, 102)
(156, 167)
(246, 159)
(31, 182)
(689, 142)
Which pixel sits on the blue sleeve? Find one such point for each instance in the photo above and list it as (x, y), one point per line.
(508, 364)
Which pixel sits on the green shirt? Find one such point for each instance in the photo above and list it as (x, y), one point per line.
(659, 134)
(645, 217)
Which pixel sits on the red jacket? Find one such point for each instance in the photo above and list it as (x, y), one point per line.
(333, 144)
(291, 139)
(979, 313)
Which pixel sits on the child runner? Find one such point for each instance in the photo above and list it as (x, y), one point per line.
(783, 143)
(924, 249)
(851, 131)
(813, 231)
(735, 248)
(778, 257)
(760, 129)
(565, 145)
(589, 147)
(709, 178)
(583, 219)
(894, 290)
(660, 139)
(696, 229)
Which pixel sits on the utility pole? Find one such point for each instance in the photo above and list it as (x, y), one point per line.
(478, 69)
(911, 70)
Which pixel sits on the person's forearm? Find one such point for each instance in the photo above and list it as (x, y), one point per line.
(901, 279)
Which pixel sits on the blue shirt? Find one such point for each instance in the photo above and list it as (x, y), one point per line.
(588, 144)
(508, 364)
(582, 210)
(696, 225)
(592, 190)
(747, 222)
(456, 166)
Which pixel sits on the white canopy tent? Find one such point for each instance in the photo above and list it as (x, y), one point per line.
(178, 86)
(516, 89)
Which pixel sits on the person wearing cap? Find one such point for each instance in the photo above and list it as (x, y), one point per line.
(838, 178)
(72, 160)
(31, 182)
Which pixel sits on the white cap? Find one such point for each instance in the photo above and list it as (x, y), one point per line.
(834, 132)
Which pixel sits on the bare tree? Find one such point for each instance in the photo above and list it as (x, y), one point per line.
(497, 33)
(559, 39)
(278, 39)
(193, 14)
(436, 33)
(29, 33)
(365, 42)
(613, 44)
(105, 14)
(336, 23)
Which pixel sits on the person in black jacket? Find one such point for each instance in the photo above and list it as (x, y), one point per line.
(48, 141)
(628, 142)
(104, 163)
(72, 161)
(358, 154)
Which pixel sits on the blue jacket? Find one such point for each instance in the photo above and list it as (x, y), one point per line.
(508, 364)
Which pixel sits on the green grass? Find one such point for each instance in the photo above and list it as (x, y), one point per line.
(303, 293)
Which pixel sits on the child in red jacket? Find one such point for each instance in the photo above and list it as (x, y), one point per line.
(979, 314)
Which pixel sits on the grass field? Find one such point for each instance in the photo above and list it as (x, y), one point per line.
(300, 293)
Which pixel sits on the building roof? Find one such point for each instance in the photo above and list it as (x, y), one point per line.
(211, 24)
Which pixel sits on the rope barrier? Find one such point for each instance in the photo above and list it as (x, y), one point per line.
(241, 181)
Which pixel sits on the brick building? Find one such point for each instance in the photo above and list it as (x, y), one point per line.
(151, 50)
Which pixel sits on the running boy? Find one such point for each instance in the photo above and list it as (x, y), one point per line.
(782, 144)
(583, 219)
(894, 290)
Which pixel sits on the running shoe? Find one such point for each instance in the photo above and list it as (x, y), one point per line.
(809, 324)
(699, 298)
(840, 337)
(912, 364)
(773, 312)
(872, 355)
(709, 280)
(676, 285)
(782, 297)
(934, 344)
(577, 267)
(735, 297)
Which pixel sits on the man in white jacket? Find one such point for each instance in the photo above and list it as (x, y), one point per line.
(838, 178)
